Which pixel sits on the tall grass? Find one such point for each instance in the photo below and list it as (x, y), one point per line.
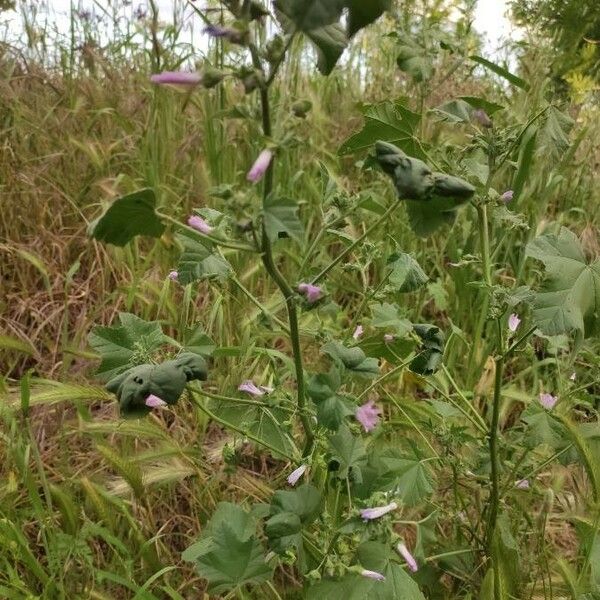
(93, 507)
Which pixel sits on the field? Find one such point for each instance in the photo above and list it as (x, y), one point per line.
(348, 306)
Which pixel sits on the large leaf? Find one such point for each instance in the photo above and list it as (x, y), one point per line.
(353, 359)
(386, 316)
(389, 122)
(570, 298)
(543, 428)
(127, 217)
(431, 353)
(281, 218)
(361, 13)
(554, 132)
(332, 408)
(318, 20)
(261, 422)
(348, 454)
(197, 262)
(406, 275)
(427, 217)
(505, 73)
(119, 345)
(414, 60)
(398, 584)
(229, 555)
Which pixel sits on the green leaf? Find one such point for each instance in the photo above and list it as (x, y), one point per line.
(323, 385)
(198, 342)
(543, 428)
(406, 275)
(454, 111)
(304, 501)
(398, 584)
(431, 353)
(361, 13)
(229, 555)
(127, 217)
(385, 316)
(261, 422)
(354, 359)
(348, 452)
(332, 411)
(476, 102)
(525, 161)
(554, 133)
(414, 60)
(119, 345)
(387, 121)
(198, 263)
(570, 298)
(281, 218)
(318, 20)
(427, 217)
(506, 556)
(521, 83)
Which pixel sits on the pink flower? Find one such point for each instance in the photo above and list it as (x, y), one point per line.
(259, 168)
(173, 275)
(176, 78)
(522, 484)
(548, 401)
(153, 401)
(233, 35)
(372, 575)
(199, 224)
(368, 514)
(312, 292)
(295, 475)
(249, 387)
(388, 338)
(513, 322)
(368, 415)
(507, 196)
(358, 332)
(408, 557)
(481, 117)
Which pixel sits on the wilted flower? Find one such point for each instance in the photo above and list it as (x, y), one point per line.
(312, 292)
(173, 275)
(372, 575)
(480, 116)
(296, 474)
(408, 557)
(368, 415)
(259, 168)
(199, 224)
(176, 78)
(368, 514)
(513, 322)
(507, 196)
(522, 484)
(548, 401)
(249, 387)
(153, 401)
(358, 332)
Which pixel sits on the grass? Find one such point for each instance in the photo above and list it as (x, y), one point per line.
(95, 507)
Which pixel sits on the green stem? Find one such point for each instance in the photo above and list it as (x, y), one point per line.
(354, 244)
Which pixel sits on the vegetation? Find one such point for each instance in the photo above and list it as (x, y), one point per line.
(306, 307)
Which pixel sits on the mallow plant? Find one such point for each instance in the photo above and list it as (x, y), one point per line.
(363, 512)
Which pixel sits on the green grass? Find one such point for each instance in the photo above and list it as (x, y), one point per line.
(95, 507)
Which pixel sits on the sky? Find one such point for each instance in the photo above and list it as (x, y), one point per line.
(490, 17)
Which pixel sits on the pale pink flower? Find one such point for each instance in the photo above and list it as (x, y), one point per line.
(372, 575)
(199, 224)
(408, 557)
(368, 514)
(312, 292)
(176, 78)
(513, 322)
(358, 332)
(368, 415)
(481, 117)
(173, 275)
(388, 338)
(249, 387)
(548, 401)
(573, 376)
(153, 401)
(295, 475)
(259, 168)
(522, 484)
(507, 196)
